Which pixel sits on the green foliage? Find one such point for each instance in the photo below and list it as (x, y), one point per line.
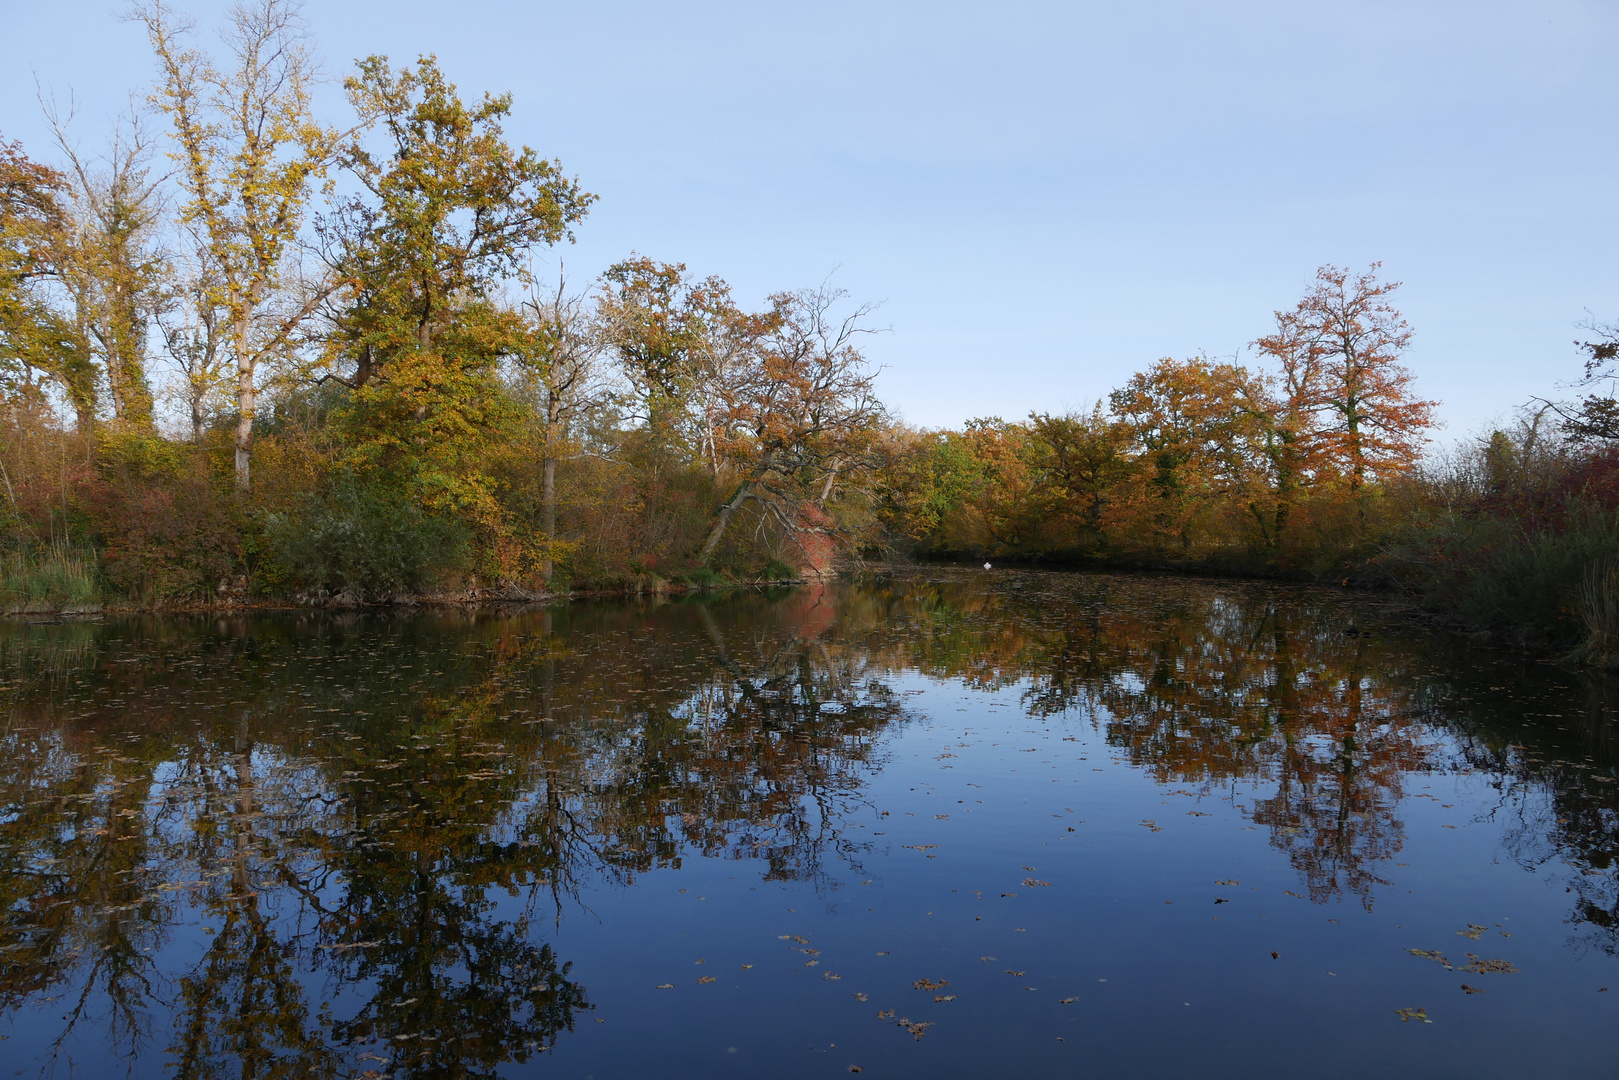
(706, 578)
(134, 454)
(370, 540)
(1494, 573)
(776, 570)
(49, 577)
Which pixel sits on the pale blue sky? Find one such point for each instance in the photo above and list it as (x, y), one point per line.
(1046, 197)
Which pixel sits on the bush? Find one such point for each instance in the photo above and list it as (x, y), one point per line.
(166, 530)
(776, 570)
(360, 538)
(1515, 539)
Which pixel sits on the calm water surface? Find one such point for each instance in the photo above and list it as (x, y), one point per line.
(944, 824)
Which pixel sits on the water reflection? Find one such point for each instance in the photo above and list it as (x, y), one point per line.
(311, 846)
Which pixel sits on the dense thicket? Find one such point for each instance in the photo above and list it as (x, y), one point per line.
(294, 356)
(374, 392)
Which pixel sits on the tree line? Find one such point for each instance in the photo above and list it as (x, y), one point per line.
(380, 390)
(248, 349)
(1192, 457)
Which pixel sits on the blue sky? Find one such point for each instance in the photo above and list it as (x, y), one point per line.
(1045, 197)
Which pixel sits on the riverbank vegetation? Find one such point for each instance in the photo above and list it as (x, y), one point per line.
(249, 351)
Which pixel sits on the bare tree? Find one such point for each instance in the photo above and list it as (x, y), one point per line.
(564, 362)
(193, 327)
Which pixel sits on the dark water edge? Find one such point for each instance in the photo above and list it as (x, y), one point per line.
(928, 822)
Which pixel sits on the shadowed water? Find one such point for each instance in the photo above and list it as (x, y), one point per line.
(941, 823)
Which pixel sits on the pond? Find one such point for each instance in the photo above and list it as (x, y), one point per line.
(929, 823)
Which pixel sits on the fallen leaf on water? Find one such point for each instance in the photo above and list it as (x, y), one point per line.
(856, 1068)
(1233, 881)
(1435, 956)
(927, 984)
(1066, 1001)
(860, 997)
(1009, 971)
(746, 966)
(827, 975)
(1033, 884)
(1472, 932)
(666, 986)
(1274, 955)
(1408, 1015)
(986, 958)
(944, 997)
(1470, 989)
(706, 978)
(1489, 967)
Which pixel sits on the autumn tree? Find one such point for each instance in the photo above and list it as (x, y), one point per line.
(1594, 418)
(109, 261)
(1194, 437)
(1085, 458)
(248, 149)
(795, 409)
(1346, 390)
(672, 337)
(35, 339)
(450, 210)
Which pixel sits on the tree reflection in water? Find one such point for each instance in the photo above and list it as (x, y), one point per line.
(312, 845)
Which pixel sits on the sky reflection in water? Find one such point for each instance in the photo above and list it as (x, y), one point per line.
(940, 823)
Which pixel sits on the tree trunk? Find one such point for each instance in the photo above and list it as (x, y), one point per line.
(245, 405)
(721, 519)
(548, 494)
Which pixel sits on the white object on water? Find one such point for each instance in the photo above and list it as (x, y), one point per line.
(986, 566)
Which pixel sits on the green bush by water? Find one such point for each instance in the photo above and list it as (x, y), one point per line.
(776, 570)
(358, 538)
(53, 576)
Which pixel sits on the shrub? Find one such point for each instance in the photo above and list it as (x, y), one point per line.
(166, 530)
(776, 570)
(361, 538)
